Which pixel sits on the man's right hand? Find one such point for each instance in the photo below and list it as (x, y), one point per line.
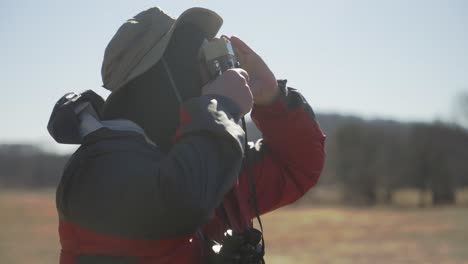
(234, 84)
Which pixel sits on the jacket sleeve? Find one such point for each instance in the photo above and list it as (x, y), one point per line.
(289, 159)
(205, 162)
(128, 188)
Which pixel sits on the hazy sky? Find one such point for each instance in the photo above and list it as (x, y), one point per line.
(403, 60)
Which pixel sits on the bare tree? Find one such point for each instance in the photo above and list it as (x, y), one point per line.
(357, 147)
(433, 152)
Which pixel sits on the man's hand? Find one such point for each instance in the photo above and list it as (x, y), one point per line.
(233, 84)
(262, 81)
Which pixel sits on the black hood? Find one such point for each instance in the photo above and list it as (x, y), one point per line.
(150, 100)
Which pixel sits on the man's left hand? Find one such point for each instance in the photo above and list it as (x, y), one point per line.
(262, 81)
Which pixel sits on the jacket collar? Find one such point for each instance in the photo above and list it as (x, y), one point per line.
(89, 122)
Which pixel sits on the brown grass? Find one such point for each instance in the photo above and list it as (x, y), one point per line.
(28, 233)
(378, 235)
(28, 227)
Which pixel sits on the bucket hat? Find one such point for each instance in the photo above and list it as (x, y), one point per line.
(141, 41)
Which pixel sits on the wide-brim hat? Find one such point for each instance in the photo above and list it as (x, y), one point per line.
(141, 41)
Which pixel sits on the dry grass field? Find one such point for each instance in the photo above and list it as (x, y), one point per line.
(294, 235)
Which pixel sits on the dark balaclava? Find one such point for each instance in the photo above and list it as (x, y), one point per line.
(150, 100)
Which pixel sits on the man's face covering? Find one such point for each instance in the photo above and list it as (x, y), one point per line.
(150, 100)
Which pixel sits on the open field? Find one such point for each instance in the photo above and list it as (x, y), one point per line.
(28, 233)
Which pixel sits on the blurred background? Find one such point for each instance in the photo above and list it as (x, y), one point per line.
(387, 79)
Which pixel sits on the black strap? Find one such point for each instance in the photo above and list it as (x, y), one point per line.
(252, 187)
(224, 215)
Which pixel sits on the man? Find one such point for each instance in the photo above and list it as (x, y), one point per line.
(161, 171)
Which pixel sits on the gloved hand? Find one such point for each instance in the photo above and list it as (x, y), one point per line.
(233, 84)
(64, 122)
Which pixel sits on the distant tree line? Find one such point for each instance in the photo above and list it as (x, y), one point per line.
(23, 165)
(372, 159)
(369, 160)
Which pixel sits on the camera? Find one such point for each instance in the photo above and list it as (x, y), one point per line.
(218, 56)
(238, 248)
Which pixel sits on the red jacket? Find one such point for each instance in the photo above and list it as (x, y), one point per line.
(109, 211)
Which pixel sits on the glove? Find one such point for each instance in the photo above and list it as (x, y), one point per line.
(64, 123)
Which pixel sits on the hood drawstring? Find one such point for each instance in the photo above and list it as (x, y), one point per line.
(171, 80)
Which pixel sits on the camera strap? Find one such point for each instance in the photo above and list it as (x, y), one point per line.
(252, 188)
(252, 200)
(224, 215)
(171, 79)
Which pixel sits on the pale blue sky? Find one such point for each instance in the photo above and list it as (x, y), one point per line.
(403, 60)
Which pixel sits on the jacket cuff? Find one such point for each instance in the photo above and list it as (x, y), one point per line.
(289, 100)
(64, 122)
(214, 114)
